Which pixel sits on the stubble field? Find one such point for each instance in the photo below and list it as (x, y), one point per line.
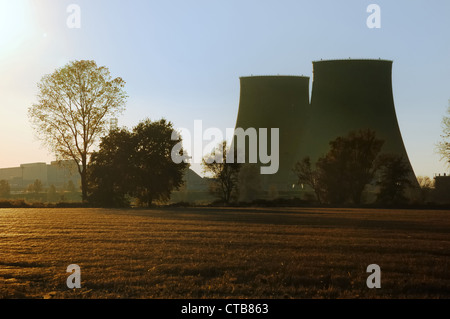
(224, 253)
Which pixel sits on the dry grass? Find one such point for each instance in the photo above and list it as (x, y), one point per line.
(224, 253)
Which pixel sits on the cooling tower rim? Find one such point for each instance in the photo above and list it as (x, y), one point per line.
(354, 60)
(274, 76)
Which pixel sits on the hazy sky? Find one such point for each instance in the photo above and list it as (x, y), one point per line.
(182, 59)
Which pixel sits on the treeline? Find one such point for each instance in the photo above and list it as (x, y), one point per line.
(37, 192)
(353, 167)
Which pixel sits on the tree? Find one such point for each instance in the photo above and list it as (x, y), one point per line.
(155, 172)
(5, 189)
(443, 147)
(309, 176)
(426, 185)
(75, 104)
(393, 179)
(51, 193)
(109, 174)
(225, 175)
(136, 164)
(70, 187)
(343, 173)
(36, 187)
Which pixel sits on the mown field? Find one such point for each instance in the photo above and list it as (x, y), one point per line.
(224, 253)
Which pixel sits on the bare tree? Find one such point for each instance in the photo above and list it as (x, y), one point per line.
(224, 173)
(309, 176)
(426, 188)
(443, 147)
(75, 104)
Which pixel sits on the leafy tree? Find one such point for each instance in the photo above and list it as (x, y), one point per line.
(110, 175)
(75, 104)
(36, 187)
(5, 189)
(136, 164)
(224, 183)
(155, 173)
(393, 179)
(343, 173)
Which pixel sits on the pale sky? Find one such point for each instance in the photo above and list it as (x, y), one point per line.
(182, 59)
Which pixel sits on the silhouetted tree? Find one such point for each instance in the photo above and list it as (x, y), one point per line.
(74, 106)
(426, 188)
(343, 173)
(224, 182)
(393, 179)
(136, 164)
(156, 174)
(443, 147)
(37, 186)
(110, 173)
(307, 175)
(5, 189)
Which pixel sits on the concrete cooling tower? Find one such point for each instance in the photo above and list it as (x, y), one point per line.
(351, 95)
(347, 95)
(276, 102)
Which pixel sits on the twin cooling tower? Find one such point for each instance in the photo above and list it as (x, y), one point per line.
(347, 95)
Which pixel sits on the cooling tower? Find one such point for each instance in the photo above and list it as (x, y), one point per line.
(276, 102)
(351, 95)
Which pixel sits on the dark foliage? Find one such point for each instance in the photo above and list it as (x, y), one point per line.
(135, 164)
(342, 174)
(393, 180)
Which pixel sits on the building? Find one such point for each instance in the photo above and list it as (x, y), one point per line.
(275, 102)
(57, 173)
(347, 95)
(442, 188)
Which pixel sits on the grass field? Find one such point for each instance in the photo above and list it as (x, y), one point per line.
(224, 253)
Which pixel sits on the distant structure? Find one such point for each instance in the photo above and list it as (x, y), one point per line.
(442, 188)
(276, 102)
(113, 124)
(57, 173)
(347, 95)
(351, 95)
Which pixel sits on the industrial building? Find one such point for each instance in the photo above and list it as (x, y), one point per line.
(347, 95)
(442, 188)
(57, 173)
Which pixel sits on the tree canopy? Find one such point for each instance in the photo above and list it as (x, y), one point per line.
(393, 179)
(135, 164)
(225, 175)
(75, 105)
(342, 174)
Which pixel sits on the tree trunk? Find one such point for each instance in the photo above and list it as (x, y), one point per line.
(84, 191)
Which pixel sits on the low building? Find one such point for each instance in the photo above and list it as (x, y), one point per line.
(442, 188)
(57, 173)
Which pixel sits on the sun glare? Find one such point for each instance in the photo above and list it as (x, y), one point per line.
(15, 25)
